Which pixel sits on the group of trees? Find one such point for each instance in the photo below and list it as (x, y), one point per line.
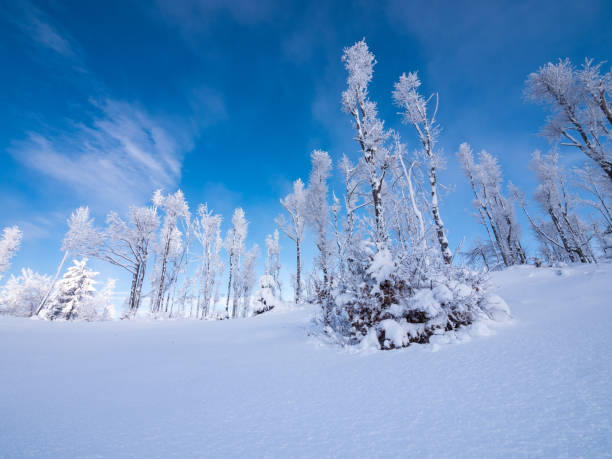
(179, 254)
(383, 270)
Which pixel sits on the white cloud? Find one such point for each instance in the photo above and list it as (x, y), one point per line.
(118, 158)
(34, 23)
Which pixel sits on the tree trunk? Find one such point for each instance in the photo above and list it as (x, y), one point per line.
(298, 275)
(229, 286)
(446, 253)
(48, 294)
(162, 276)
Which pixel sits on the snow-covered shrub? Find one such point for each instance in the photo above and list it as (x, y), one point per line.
(265, 298)
(397, 303)
(22, 294)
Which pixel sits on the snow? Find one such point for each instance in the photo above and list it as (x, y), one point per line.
(382, 266)
(262, 387)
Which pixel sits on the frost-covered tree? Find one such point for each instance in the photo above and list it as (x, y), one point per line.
(495, 212)
(170, 250)
(579, 100)
(394, 287)
(104, 301)
(207, 231)
(21, 295)
(234, 245)
(74, 298)
(79, 239)
(370, 132)
(417, 111)
(295, 205)
(9, 245)
(318, 216)
(245, 281)
(565, 232)
(598, 197)
(273, 264)
(127, 244)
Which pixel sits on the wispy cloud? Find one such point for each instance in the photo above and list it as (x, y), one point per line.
(40, 28)
(118, 158)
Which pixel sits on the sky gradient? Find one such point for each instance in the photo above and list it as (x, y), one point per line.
(103, 102)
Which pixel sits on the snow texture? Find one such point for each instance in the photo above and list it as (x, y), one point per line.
(260, 387)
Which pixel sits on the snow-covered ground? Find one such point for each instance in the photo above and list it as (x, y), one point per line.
(540, 386)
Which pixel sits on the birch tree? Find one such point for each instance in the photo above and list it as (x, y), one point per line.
(273, 264)
(245, 280)
(207, 231)
(495, 212)
(370, 132)
(295, 205)
(127, 244)
(234, 245)
(176, 211)
(416, 112)
(565, 231)
(318, 214)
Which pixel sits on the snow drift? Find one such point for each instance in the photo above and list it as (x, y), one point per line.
(262, 387)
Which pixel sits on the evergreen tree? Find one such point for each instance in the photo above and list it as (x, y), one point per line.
(75, 293)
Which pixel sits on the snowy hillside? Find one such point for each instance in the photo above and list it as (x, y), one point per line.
(261, 387)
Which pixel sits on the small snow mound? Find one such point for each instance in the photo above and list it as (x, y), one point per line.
(443, 294)
(394, 332)
(424, 300)
(382, 266)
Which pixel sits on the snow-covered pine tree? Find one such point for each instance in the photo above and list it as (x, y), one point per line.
(82, 237)
(74, 298)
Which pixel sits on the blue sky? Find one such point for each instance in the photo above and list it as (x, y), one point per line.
(103, 102)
